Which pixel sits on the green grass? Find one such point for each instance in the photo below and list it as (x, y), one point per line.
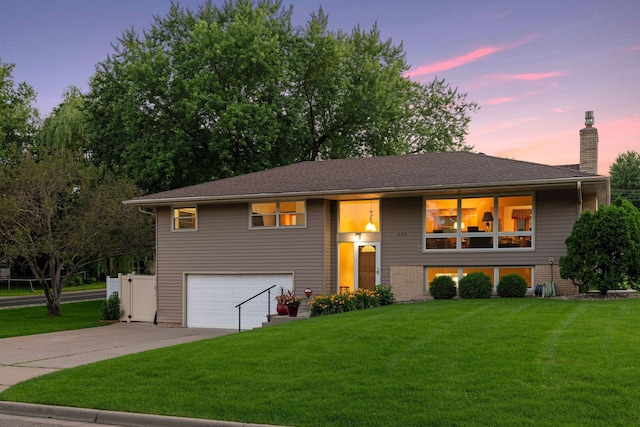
(21, 321)
(22, 289)
(498, 362)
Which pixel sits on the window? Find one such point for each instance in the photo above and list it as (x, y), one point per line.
(495, 273)
(359, 216)
(185, 218)
(278, 214)
(479, 223)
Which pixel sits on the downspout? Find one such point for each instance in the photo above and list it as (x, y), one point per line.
(579, 189)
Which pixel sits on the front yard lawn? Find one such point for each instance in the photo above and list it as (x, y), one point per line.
(498, 362)
(21, 321)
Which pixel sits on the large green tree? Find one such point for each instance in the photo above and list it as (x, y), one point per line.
(625, 177)
(228, 90)
(603, 250)
(66, 126)
(60, 213)
(18, 118)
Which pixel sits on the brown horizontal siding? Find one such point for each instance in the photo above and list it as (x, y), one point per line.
(402, 235)
(224, 243)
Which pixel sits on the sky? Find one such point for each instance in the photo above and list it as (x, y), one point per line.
(533, 67)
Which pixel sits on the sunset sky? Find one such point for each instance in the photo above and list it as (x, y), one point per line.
(534, 67)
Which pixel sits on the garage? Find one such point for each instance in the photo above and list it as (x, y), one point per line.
(211, 299)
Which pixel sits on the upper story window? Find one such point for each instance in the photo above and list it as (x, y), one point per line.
(185, 218)
(359, 216)
(278, 214)
(479, 222)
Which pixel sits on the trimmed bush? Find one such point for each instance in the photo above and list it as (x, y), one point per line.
(475, 285)
(442, 287)
(512, 286)
(111, 308)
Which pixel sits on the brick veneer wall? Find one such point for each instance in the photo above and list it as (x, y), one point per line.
(563, 287)
(407, 283)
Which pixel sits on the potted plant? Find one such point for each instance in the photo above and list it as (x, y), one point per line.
(281, 306)
(292, 302)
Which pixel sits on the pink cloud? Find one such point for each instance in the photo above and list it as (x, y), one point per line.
(561, 110)
(497, 127)
(632, 49)
(538, 76)
(530, 119)
(458, 61)
(497, 101)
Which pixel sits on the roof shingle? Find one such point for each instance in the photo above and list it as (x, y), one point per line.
(408, 172)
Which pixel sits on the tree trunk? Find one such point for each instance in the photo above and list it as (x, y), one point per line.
(53, 308)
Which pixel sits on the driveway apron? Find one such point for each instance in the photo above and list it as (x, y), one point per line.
(22, 358)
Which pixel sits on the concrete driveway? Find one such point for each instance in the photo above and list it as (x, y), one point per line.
(22, 358)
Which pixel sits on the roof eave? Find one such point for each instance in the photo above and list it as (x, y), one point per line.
(389, 191)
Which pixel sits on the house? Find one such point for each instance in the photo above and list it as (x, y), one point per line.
(341, 225)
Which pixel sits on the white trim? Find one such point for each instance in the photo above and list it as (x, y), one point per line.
(356, 261)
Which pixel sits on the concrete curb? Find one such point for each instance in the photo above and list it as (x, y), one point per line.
(125, 419)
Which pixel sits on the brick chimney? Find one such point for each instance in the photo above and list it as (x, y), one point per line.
(589, 145)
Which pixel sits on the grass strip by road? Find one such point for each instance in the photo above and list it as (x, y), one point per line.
(21, 321)
(24, 290)
(525, 362)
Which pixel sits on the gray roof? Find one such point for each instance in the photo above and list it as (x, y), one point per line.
(374, 175)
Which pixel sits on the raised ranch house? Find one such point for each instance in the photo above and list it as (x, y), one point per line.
(342, 225)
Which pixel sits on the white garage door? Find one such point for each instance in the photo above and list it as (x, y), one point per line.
(212, 298)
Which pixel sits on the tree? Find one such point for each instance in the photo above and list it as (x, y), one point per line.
(603, 250)
(60, 214)
(66, 126)
(625, 177)
(18, 118)
(237, 88)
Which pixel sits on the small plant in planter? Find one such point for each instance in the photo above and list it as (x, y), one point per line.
(281, 306)
(292, 302)
(442, 287)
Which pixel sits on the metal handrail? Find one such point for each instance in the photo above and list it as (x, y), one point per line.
(239, 306)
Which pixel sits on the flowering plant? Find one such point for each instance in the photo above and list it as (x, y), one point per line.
(288, 298)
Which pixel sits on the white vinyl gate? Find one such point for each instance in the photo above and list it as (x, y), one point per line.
(211, 299)
(138, 299)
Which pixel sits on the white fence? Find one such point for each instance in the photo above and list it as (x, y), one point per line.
(138, 297)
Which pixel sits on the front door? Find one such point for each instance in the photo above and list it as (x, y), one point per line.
(368, 270)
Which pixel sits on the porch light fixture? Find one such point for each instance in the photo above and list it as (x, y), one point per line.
(488, 219)
(370, 227)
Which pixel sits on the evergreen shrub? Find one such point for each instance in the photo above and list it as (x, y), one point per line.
(442, 287)
(512, 286)
(475, 285)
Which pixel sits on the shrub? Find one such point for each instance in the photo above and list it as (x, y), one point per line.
(111, 308)
(512, 286)
(442, 287)
(385, 296)
(365, 298)
(75, 281)
(475, 285)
